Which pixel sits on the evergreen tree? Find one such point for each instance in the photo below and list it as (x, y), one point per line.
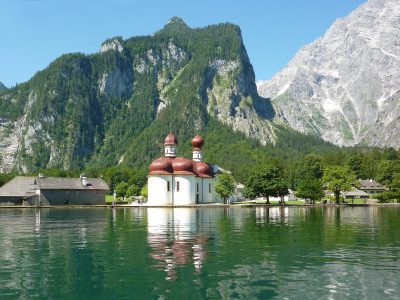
(313, 166)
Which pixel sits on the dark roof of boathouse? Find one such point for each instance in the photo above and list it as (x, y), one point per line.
(20, 186)
(58, 183)
(25, 186)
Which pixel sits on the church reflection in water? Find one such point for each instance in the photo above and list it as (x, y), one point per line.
(178, 237)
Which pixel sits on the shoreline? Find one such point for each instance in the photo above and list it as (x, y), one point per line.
(218, 205)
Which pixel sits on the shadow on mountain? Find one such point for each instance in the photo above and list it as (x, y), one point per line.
(263, 107)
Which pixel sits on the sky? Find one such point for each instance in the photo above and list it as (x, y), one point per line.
(35, 32)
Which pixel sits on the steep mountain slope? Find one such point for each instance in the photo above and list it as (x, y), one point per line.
(2, 87)
(345, 86)
(116, 106)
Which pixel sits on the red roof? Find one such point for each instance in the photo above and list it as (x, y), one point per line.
(170, 140)
(197, 142)
(162, 165)
(180, 166)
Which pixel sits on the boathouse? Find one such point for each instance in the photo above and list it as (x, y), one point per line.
(43, 191)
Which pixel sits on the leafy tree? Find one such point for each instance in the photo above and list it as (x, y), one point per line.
(266, 180)
(133, 190)
(145, 191)
(310, 188)
(338, 179)
(225, 186)
(121, 189)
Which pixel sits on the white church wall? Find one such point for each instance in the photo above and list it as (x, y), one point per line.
(208, 190)
(158, 193)
(187, 192)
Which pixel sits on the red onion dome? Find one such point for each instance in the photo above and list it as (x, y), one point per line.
(197, 141)
(181, 164)
(203, 169)
(162, 165)
(170, 140)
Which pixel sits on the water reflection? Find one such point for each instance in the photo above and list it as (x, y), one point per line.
(177, 237)
(244, 253)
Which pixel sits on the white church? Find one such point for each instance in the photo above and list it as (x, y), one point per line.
(180, 181)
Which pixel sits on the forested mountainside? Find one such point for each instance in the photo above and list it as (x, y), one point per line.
(345, 86)
(2, 87)
(116, 106)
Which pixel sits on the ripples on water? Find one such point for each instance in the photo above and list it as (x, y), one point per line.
(243, 253)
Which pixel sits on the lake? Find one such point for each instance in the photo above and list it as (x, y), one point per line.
(200, 253)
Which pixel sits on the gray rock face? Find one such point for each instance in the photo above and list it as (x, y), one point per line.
(113, 44)
(345, 86)
(232, 98)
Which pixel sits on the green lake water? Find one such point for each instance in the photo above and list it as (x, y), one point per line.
(203, 253)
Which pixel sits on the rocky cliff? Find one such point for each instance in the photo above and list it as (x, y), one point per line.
(115, 106)
(2, 87)
(345, 86)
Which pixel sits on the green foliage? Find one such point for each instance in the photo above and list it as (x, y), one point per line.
(225, 186)
(313, 166)
(339, 179)
(386, 171)
(6, 177)
(387, 197)
(355, 164)
(144, 191)
(310, 188)
(133, 190)
(121, 189)
(266, 180)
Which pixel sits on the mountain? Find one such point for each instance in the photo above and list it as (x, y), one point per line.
(117, 105)
(2, 87)
(345, 86)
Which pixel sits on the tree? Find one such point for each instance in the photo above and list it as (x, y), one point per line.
(266, 180)
(133, 190)
(355, 164)
(339, 179)
(313, 166)
(385, 172)
(225, 186)
(310, 188)
(121, 189)
(145, 191)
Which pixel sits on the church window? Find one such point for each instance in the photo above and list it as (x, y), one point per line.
(209, 187)
(168, 186)
(197, 187)
(177, 186)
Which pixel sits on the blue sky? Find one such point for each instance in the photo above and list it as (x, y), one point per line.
(35, 32)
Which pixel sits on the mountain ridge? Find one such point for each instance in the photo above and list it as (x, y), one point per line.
(115, 106)
(344, 86)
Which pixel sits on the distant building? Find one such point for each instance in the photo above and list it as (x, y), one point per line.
(371, 187)
(237, 193)
(355, 194)
(176, 180)
(43, 191)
